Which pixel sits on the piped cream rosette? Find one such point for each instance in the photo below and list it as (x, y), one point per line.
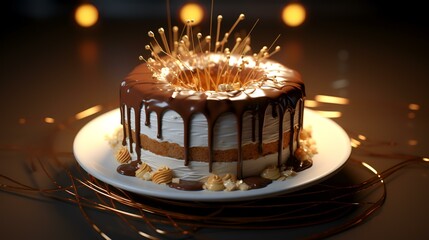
(162, 175)
(214, 183)
(123, 155)
(144, 172)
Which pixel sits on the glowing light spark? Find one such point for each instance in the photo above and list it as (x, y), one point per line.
(372, 169)
(361, 137)
(88, 112)
(426, 159)
(330, 114)
(331, 99)
(413, 106)
(191, 11)
(369, 167)
(311, 103)
(293, 14)
(86, 15)
(354, 143)
(234, 71)
(49, 120)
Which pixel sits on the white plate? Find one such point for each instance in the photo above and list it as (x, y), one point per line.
(95, 155)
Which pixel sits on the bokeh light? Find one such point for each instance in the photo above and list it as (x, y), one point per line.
(191, 11)
(49, 120)
(311, 103)
(412, 142)
(88, 112)
(86, 15)
(362, 137)
(330, 114)
(414, 106)
(354, 143)
(331, 99)
(293, 14)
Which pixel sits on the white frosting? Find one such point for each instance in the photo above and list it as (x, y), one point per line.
(197, 171)
(225, 132)
(225, 129)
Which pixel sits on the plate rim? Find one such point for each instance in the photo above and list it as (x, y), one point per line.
(87, 158)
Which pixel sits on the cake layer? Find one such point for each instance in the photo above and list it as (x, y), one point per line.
(198, 171)
(201, 154)
(225, 133)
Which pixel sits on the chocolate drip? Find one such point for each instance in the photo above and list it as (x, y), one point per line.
(210, 142)
(137, 119)
(253, 125)
(159, 122)
(292, 159)
(280, 141)
(301, 120)
(129, 128)
(147, 115)
(186, 140)
(239, 145)
(124, 130)
(140, 89)
(261, 120)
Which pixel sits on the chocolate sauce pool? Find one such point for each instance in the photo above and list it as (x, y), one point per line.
(187, 185)
(128, 169)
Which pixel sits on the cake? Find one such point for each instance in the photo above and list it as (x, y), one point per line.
(192, 114)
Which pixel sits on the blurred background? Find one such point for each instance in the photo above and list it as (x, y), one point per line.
(412, 11)
(370, 56)
(364, 63)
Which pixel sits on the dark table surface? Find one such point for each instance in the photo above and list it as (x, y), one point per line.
(52, 69)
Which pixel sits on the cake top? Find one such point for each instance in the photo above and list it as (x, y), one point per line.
(193, 64)
(189, 74)
(205, 80)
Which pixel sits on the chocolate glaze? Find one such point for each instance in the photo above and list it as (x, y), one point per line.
(187, 185)
(128, 169)
(257, 182)
(141, 89)
(302, 165)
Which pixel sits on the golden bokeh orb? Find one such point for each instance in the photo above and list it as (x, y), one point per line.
(86, 15)
(193, 12)
(293, 14)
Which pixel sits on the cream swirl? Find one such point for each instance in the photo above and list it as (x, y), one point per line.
(271, 173)
(162, 175)
(214, 183)
(144, 171)
(123, 155)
